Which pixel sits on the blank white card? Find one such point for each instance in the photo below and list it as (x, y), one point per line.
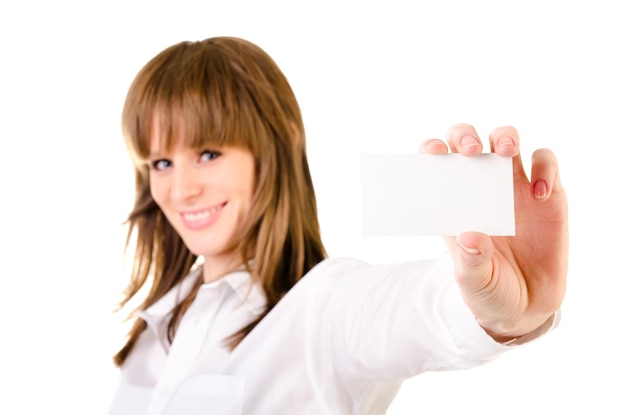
(426, 194)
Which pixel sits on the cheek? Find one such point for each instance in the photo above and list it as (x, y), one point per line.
(247, 191)
(251, 180)
(157, 190)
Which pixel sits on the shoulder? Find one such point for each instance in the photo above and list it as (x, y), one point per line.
(350, 267)
(335, 266)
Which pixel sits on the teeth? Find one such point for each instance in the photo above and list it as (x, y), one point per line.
(200, 215)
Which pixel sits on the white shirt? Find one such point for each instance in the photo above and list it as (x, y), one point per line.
(340, 342)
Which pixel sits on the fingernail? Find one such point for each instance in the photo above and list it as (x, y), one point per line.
(471, 251)
(541, 189)
(505, 141)
(468, 141)
(434, 142)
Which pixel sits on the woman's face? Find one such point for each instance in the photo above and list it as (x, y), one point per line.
(206, 196)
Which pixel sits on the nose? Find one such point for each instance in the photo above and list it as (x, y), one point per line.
(186, 184)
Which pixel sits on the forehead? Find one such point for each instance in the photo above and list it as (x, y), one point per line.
(177, 134)
(192, 123)
(164, 137)
(172, 131)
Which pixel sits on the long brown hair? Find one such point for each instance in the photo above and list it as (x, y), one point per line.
(221, 91)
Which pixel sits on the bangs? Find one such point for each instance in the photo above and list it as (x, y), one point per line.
(193, 98)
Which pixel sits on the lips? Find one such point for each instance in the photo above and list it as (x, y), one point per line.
(200, 219)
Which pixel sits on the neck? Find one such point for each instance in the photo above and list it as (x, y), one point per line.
(215, 268)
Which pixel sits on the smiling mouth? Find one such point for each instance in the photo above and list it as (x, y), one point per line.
(202, 218)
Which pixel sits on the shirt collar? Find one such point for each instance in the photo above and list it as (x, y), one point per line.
(250, 293)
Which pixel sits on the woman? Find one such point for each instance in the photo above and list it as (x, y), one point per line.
(244, 314)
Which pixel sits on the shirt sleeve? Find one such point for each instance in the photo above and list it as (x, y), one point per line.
(391, 322)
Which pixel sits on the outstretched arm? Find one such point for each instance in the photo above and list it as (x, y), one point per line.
(513, 284)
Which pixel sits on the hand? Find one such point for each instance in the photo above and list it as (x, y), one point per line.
(513, 284)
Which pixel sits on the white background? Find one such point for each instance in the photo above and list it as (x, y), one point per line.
(370, 77)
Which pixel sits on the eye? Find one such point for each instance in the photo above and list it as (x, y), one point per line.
(159, 165)
(208, 155)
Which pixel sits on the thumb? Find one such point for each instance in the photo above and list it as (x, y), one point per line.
(473, 265)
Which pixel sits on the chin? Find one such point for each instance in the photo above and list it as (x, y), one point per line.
(208, 251)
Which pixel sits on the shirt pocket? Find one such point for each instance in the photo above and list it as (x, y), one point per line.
(208, 394)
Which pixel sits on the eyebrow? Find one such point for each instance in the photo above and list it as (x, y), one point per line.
(159, 155)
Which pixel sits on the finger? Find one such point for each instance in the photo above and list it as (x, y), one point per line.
(544, 174)
(474, 268)
(463, 139)
(433, 146)
(504, 141)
